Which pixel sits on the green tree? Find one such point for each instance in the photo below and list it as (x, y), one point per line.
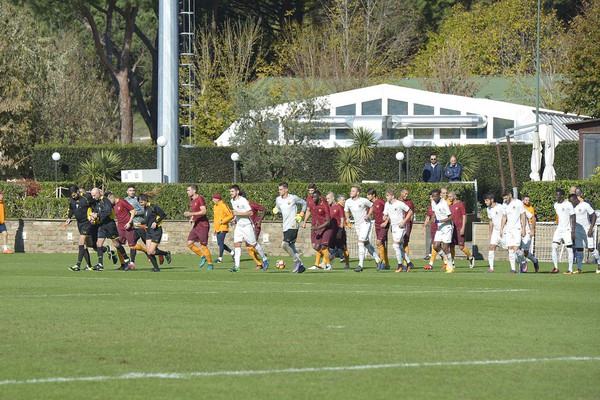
(348, 164)
(103, 167)
(582, 85)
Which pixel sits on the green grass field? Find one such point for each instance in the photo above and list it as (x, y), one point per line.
(190, 333)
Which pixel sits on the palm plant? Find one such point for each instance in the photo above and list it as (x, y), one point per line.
(103, 166)
(466, 156)
(347, 162)
(363, 140)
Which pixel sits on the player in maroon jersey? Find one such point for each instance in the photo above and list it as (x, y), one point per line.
(338, 224)
(200, 227)
(124, 213)
(309, 206)
(459, 219)
(321, 226)
(380, 232)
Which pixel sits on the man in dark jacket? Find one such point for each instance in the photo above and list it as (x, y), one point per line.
(433, 171)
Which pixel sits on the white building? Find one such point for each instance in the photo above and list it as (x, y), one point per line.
(393, 112)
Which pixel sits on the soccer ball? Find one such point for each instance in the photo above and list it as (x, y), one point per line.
(93, 220)
(280, 264)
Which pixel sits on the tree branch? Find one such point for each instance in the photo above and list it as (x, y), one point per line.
(91, 24)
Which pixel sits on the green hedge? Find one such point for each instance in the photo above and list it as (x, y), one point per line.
(173, 198)
(542, 195)
(213, 165)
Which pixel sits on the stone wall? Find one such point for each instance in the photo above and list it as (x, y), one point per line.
(46, 236)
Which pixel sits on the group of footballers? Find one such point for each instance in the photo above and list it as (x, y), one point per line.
(101, 216)
(512, 224)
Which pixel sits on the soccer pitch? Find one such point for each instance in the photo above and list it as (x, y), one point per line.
(191, 333)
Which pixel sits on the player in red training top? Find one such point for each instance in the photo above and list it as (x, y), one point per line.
(320, 226)
(380, 232)
(309, 206)
(338, 229)
(200, 227)
(124, 213)
(459, 219)
(404, 193)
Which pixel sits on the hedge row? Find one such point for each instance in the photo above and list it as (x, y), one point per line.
(213, 165)
(173, 198)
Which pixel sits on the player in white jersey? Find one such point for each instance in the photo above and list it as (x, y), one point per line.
(361, 210)
(494, 213)
(565, 230)
(398, 214)
(443, 236)
(244, 228)
(527, 240)
(584, 231)
(512, 228)
(287, 204)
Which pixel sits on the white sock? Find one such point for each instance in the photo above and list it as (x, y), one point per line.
(404, 255)
(512, 258)
(5, 247)
(596, 256)
(361, 253)
(260, 250)
(570, 258)
(373, 253)
(398, 253)
(237, 255)
(285, 246)
(491, 255)
(447, 256)
(579, 258)
(555, 254)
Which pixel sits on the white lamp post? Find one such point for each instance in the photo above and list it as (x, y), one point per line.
(56, 158)
(162, 142)
(399, 157)
(407, 142)
(235, 157)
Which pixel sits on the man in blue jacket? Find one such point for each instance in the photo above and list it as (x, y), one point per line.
(433, 172)
(453, 170)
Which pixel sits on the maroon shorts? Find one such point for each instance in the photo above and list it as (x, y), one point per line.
(199, 234)
(323, 237)
(340, 242)
(457, 238)
(381, 233)
(407, 234)
(126, 236)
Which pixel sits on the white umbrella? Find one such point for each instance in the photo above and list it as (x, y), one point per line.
(536, 157)
(549, 145)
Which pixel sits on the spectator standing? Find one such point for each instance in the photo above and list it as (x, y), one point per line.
(453, 171)
(433, 171)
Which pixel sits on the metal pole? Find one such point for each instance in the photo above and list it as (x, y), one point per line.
(235, 172)
(55, 172)
(162, 165)
(168, 85)
(537, 69)
(500, 166)
(399, 171)
(407, 162)
(513, 180)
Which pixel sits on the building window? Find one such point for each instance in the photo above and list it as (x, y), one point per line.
(500, 124)
(397, 107)
(341, 134)
(449, 133)
(476, 133)
(372, 107)
(395, 134)
(349, 109)
(423, 133)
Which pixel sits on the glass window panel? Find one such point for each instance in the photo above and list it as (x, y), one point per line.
(421, 109)
(476, 133)
(372, 107)
(272, 127)
(591, 153)
(449, 133)
(500, 124)
(342, 134)
(394, 134)
(350, 109)
(423, 133)
(397, 107)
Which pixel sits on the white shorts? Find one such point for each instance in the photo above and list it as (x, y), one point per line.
(363, 231)
(444, 234)
(398, 234)
(526, 242)
(562, 235)
(246, 233)
(512, 238)
(582, 240)
(495, 238)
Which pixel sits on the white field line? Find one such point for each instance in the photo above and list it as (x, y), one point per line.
(185, 375)
(158, 293)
